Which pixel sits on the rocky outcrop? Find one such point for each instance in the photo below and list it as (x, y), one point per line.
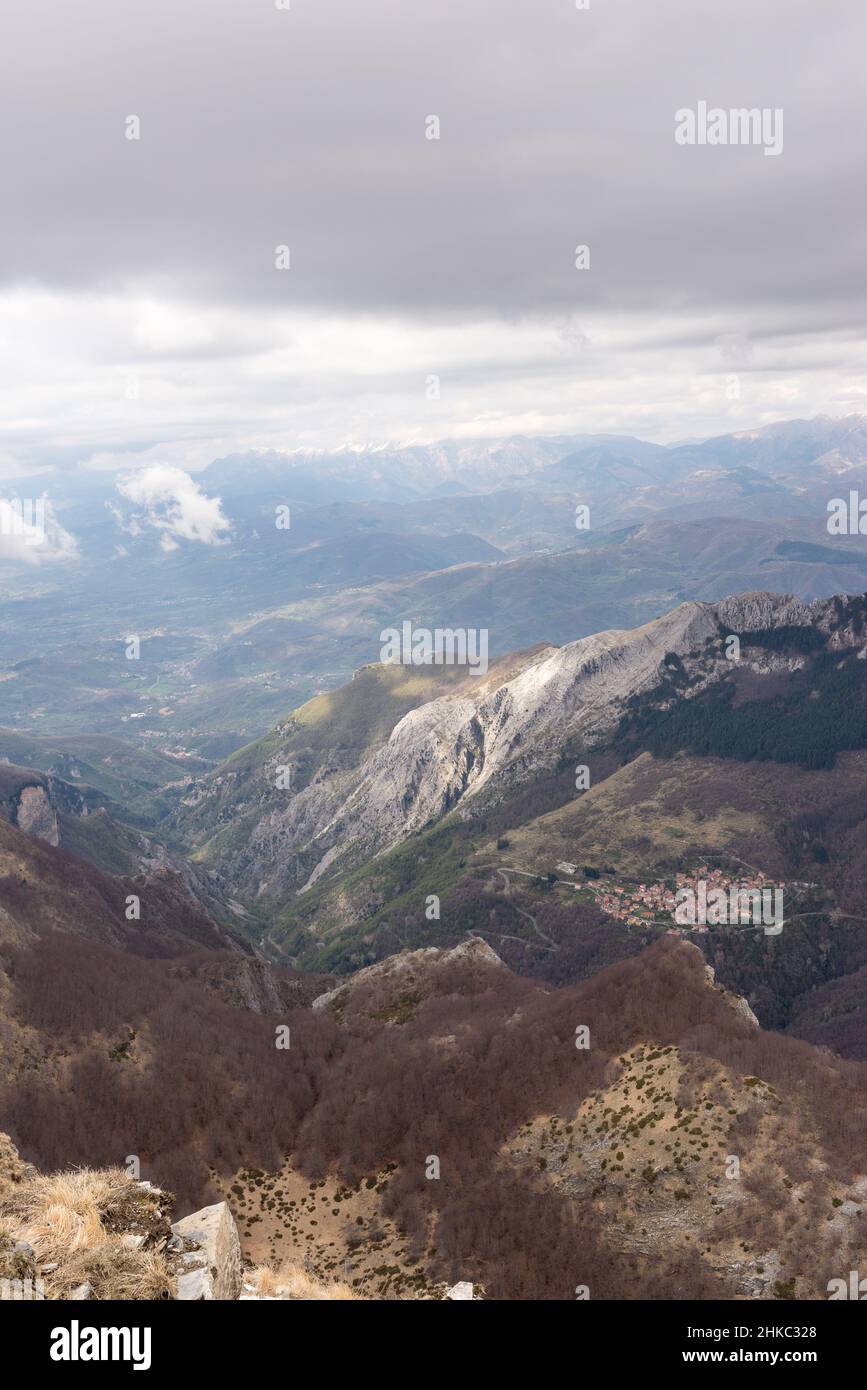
(37, 816)
(488, 736)
(77, 820)
(36, 801)
(735, 1001)
(246, 982)
(411, 967)
(210, 1255)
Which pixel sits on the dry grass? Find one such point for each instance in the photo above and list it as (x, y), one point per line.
(78, 1219)
(292, 1282)
(62, 1213)
(113, 1271)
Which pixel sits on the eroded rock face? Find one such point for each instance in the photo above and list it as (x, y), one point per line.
(213, 1253)
(735, 1001)
(37, 816)
(751, 612)
(494, 735)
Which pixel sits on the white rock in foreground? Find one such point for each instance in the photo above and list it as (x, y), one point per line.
(460, 1292)
(214, 1232)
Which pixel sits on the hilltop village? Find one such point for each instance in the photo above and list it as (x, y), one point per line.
(651, 904)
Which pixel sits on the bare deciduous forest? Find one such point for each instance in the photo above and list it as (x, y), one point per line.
(120, 1051)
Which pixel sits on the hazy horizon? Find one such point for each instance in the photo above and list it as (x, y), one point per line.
(426, 178)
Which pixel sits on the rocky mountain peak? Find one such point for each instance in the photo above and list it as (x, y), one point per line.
(481, 739)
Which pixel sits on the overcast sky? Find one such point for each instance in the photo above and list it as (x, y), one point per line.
(141, 307)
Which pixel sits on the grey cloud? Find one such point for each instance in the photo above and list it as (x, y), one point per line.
(306, 126)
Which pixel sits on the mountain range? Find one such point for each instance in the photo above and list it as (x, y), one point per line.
(449, 892)
(473, 533)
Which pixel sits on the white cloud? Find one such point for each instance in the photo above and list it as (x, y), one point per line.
(175, 505)
(165, 328)
(77, 385)
(30, 532)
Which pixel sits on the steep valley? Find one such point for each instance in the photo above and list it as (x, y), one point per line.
(368, 946)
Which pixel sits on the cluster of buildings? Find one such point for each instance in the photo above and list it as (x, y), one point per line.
(644, 904)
